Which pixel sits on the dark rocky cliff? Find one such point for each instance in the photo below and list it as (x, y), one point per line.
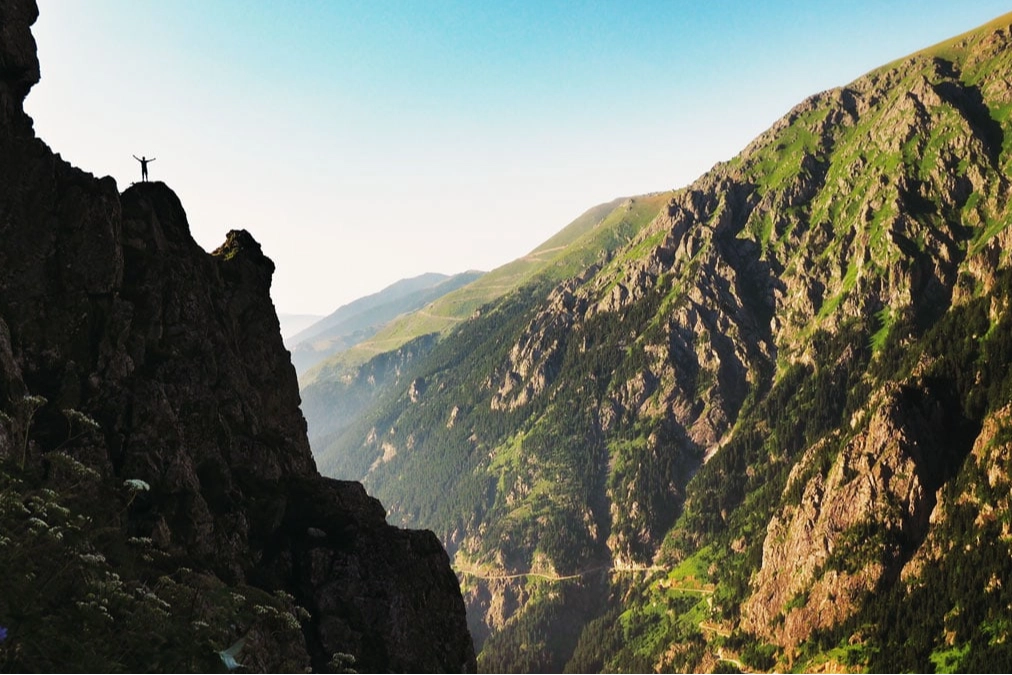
(109, 309)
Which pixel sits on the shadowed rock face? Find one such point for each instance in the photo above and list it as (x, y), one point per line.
(109, 307)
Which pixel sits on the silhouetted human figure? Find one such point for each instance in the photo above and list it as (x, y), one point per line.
(144, 166)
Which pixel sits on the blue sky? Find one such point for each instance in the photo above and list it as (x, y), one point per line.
(362, 142)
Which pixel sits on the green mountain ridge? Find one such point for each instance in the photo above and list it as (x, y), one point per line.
(335, 391)
(770, 431)
(394, 291)
(358, 320)
(569, 250)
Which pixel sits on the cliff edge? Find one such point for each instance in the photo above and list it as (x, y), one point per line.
(137, 359)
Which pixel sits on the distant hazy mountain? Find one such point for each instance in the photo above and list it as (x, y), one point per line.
(596, 231)
(293, 323)
(360, 319)
(337, 390)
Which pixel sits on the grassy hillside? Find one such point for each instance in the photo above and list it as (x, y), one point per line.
(395, 291)
(357, 321)
(579, 244)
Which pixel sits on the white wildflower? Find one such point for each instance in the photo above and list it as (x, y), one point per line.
(34, 401)
(37, 523)
(292, 622)
(81, 418)
(92, 558)
(136, 485)
(64, 461)
(284, 595)
(62, 510)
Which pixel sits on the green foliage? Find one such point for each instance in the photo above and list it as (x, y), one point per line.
(662, 620)
(863, 543)
(652, 620)
(802, 407)
(79, 592)
(759, 656)
(724, 666)
(783, 160)
(950, 660)
(886, 318)
(798, 601)
(954, 617)
(598, 642)
(645, 466)
(541, 637)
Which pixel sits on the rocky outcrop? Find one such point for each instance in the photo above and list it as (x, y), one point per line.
(19, 63)
(385, 595)
(110, 309)
(534, 361)
(854, 526)
(988, 496)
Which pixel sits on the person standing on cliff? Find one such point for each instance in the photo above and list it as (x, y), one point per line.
(144, 166)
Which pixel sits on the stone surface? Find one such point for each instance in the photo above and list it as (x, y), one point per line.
(871, 505)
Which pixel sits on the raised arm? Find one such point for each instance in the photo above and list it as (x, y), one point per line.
(137, 158)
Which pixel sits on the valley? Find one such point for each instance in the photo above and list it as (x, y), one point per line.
(755, 418)
(747, 423)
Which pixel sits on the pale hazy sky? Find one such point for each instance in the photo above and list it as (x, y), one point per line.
(365, 141)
